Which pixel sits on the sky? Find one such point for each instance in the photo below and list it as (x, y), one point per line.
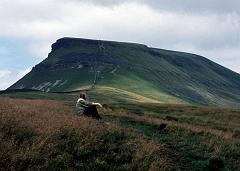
(210, 28)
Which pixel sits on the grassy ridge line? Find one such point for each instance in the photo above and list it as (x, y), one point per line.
(132, 82)
(130, 96)
(131, 86)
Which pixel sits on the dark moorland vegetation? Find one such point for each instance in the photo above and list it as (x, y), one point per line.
(47, 134)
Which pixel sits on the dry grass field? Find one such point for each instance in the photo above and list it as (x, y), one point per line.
(48, 135)
(205, 138)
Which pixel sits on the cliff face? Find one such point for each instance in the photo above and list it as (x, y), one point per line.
(75, 64)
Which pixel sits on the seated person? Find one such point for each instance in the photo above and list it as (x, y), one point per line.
(87, 108)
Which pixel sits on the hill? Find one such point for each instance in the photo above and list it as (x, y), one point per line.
(134, 71)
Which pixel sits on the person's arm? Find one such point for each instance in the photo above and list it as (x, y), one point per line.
(97, 104)
(77, 104)
(87, 103)
(83, 103)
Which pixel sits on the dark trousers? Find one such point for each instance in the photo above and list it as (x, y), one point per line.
(92, 112)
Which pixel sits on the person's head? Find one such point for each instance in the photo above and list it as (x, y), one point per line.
(82, 95)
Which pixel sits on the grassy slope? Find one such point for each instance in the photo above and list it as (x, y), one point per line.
(72, 78)
(201, 139)
(131, 84)
(204, 77)
(47, 135)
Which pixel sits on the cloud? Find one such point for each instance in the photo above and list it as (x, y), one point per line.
(193, 6)
(9, 77)
(189, 6)
(83, 18)
(4, 79)
(208, 27)
(4, 73)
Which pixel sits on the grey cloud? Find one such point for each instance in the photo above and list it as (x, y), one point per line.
(207, 23)
(103, 2)
(192, 6)
(200, 6)
(8, 77)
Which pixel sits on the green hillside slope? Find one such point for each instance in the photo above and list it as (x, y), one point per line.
(135, 70)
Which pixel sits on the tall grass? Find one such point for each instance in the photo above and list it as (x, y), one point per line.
(204, 138)
(48, 135)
